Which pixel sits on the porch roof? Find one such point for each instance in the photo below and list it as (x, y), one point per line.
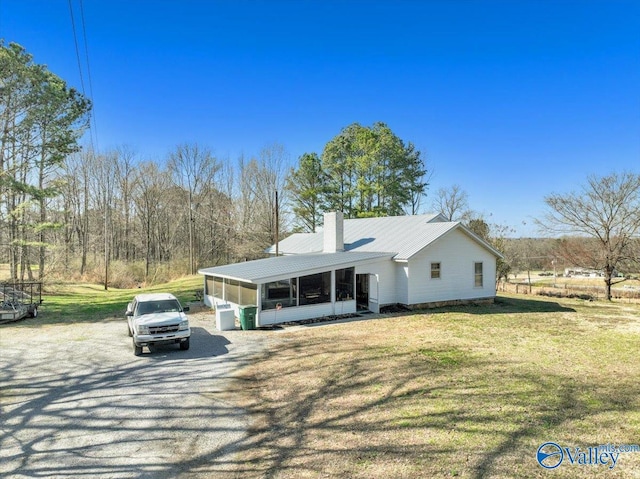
(282, 267)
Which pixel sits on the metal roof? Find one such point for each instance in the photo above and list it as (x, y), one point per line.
(402, 235)
(282, 267)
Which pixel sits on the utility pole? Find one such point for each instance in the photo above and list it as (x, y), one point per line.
(106, 246)
(191, 253)
(277, 224)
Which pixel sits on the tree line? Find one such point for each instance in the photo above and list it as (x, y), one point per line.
(109, 216)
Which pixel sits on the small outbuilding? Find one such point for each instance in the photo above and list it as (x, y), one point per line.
(359, 264)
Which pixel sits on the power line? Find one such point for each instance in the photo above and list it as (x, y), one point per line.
(92, 127)
(75, 39)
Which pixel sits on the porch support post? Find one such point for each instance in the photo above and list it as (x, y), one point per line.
(258, 304)
(333, 291)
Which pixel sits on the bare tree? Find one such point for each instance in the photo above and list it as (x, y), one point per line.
(272, 176)
(103, 189)
(149, 196)
(216, 218)
(607, 209)
(253, 213)
(76, 192)
(452, 203)
(125, 169)
(193, 167)
(634, 254)
(258, 181)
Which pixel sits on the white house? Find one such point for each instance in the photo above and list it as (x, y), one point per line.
(360, 264)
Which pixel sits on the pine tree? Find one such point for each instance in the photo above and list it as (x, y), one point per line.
(307, 186)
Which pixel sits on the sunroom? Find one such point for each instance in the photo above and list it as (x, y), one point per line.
(290, 288)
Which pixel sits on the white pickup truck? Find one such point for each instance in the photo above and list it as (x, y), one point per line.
(155, 318)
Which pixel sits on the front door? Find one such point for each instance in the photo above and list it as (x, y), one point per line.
(362, 291)
(367, 292)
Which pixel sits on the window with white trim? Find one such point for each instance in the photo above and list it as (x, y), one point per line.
(477, 276)
(435, 270)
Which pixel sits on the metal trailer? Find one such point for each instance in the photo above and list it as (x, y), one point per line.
(19, 299)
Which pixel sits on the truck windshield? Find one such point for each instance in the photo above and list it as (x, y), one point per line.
(162, 306)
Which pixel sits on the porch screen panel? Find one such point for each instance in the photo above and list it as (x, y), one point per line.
(345, 280)
(248, 293)
(217, 288)
(208, 285)
(232, 291)
(315, 288)
(283, 293)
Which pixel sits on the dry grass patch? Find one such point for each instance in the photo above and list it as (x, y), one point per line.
(469, 392)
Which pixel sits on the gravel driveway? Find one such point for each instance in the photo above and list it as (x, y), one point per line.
(76, 402)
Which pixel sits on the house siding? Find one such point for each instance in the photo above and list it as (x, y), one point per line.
(386, 273)
(402, 267)
(299, 313)
(402, 283)
(457, 254)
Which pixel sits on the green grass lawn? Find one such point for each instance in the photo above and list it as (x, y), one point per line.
(76, 302)
(457, 392)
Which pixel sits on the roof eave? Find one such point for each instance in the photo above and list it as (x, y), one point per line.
(467, 231)
(481, 241)
(300, 272)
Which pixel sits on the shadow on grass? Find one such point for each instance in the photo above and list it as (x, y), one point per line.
(354, 409)
(507, 305)
(415, 415)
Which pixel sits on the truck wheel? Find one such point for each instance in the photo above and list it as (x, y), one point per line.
(137, 350)
(184, 345)
(34, 312)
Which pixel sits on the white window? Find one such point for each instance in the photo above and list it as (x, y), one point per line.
(435, 270)
(477, 269)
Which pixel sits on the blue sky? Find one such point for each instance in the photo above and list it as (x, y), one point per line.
(512, 100)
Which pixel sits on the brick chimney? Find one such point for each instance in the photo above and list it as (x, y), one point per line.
(333, 232)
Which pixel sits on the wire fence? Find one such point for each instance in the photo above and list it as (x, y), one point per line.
(566, 290)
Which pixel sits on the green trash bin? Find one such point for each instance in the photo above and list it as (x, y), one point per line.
(248, 317)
